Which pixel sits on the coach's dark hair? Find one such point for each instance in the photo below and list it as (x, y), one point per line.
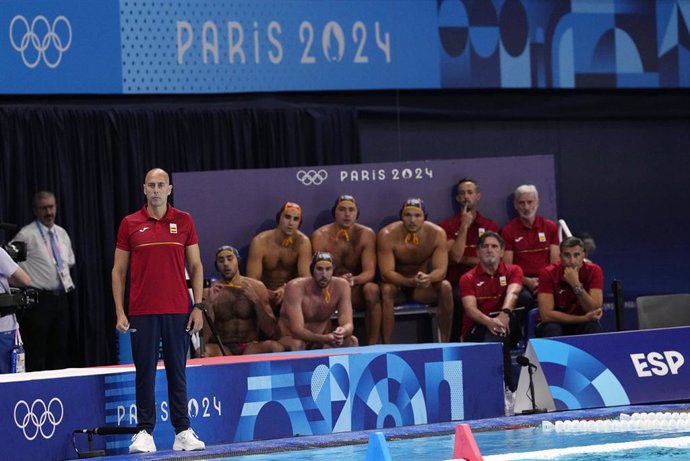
(493, 234)
(571, 242)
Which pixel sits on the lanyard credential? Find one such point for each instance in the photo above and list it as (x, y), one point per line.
(52, 247)
(62, 268)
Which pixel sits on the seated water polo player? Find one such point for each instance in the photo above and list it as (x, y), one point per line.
(309, 303)
(279, 255)
(354, 247)
(238, 307)
(413, 260)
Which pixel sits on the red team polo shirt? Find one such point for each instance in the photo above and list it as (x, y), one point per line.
(530, 246)
(476, 229)
(551, 281)
(157, 260)
(490, 290)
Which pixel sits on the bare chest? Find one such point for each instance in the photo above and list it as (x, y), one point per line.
(316, 309)
(280, 258)
(412, 255)
(231, 304)
(347, 254)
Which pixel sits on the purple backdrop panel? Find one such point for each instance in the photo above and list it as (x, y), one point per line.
(231, 206)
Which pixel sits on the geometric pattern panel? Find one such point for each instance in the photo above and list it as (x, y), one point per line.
(286, 395)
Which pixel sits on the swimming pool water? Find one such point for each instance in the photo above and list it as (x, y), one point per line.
(656, 454)
(439, 448)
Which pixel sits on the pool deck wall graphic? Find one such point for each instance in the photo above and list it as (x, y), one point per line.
(236, 399)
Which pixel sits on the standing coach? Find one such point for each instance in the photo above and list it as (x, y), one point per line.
(155, 242)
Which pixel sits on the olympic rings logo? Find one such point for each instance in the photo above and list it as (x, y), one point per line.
(38, 38)
(312, 177)
(39, 418)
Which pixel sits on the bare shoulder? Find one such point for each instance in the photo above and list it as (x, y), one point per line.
(340, 285)
(261, 238)
(433, 226)
(365, 231)
(296, 285)
(390, 230)
(256, 284)
(320, 238)
(340, 282)
(301, 237)
(435, 229)
(322, 232)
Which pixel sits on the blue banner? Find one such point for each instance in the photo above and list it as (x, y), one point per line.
(611, 369)
(185, 46)
(232, 399)
(245, 46)
(60, 47)
(289, 394)
(38, 416)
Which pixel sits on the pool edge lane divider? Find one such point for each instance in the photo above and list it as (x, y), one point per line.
(670, 442)
(465, 446)
(377, 449)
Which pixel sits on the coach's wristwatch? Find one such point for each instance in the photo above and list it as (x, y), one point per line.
(578, 290)
(200, 306)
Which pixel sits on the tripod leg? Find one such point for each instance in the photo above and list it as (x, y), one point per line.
(214, 332)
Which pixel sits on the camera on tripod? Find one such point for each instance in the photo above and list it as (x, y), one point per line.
(17, 298)
(16, 250)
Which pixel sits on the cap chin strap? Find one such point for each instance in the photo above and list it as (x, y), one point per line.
(412, 238)
(344, 234)
(231, 283)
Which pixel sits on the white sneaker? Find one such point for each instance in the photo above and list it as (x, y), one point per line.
(188, 441)
(142, 442)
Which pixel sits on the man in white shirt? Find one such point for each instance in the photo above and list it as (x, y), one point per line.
(49, 257)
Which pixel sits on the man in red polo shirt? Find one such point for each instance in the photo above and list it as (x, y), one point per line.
(531, 242)
(462, 232)
(155, 242)
(570, 293)
(489, 295)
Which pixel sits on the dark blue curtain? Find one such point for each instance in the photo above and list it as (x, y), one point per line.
(93, 155)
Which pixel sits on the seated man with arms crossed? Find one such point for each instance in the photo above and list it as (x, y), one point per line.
(354, 247)
(309, 303)
(570, 293)
(238, 306)
(279, 255)
(413, 260)
(489, 295)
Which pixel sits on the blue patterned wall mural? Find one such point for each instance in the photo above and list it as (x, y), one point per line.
(564, 44)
